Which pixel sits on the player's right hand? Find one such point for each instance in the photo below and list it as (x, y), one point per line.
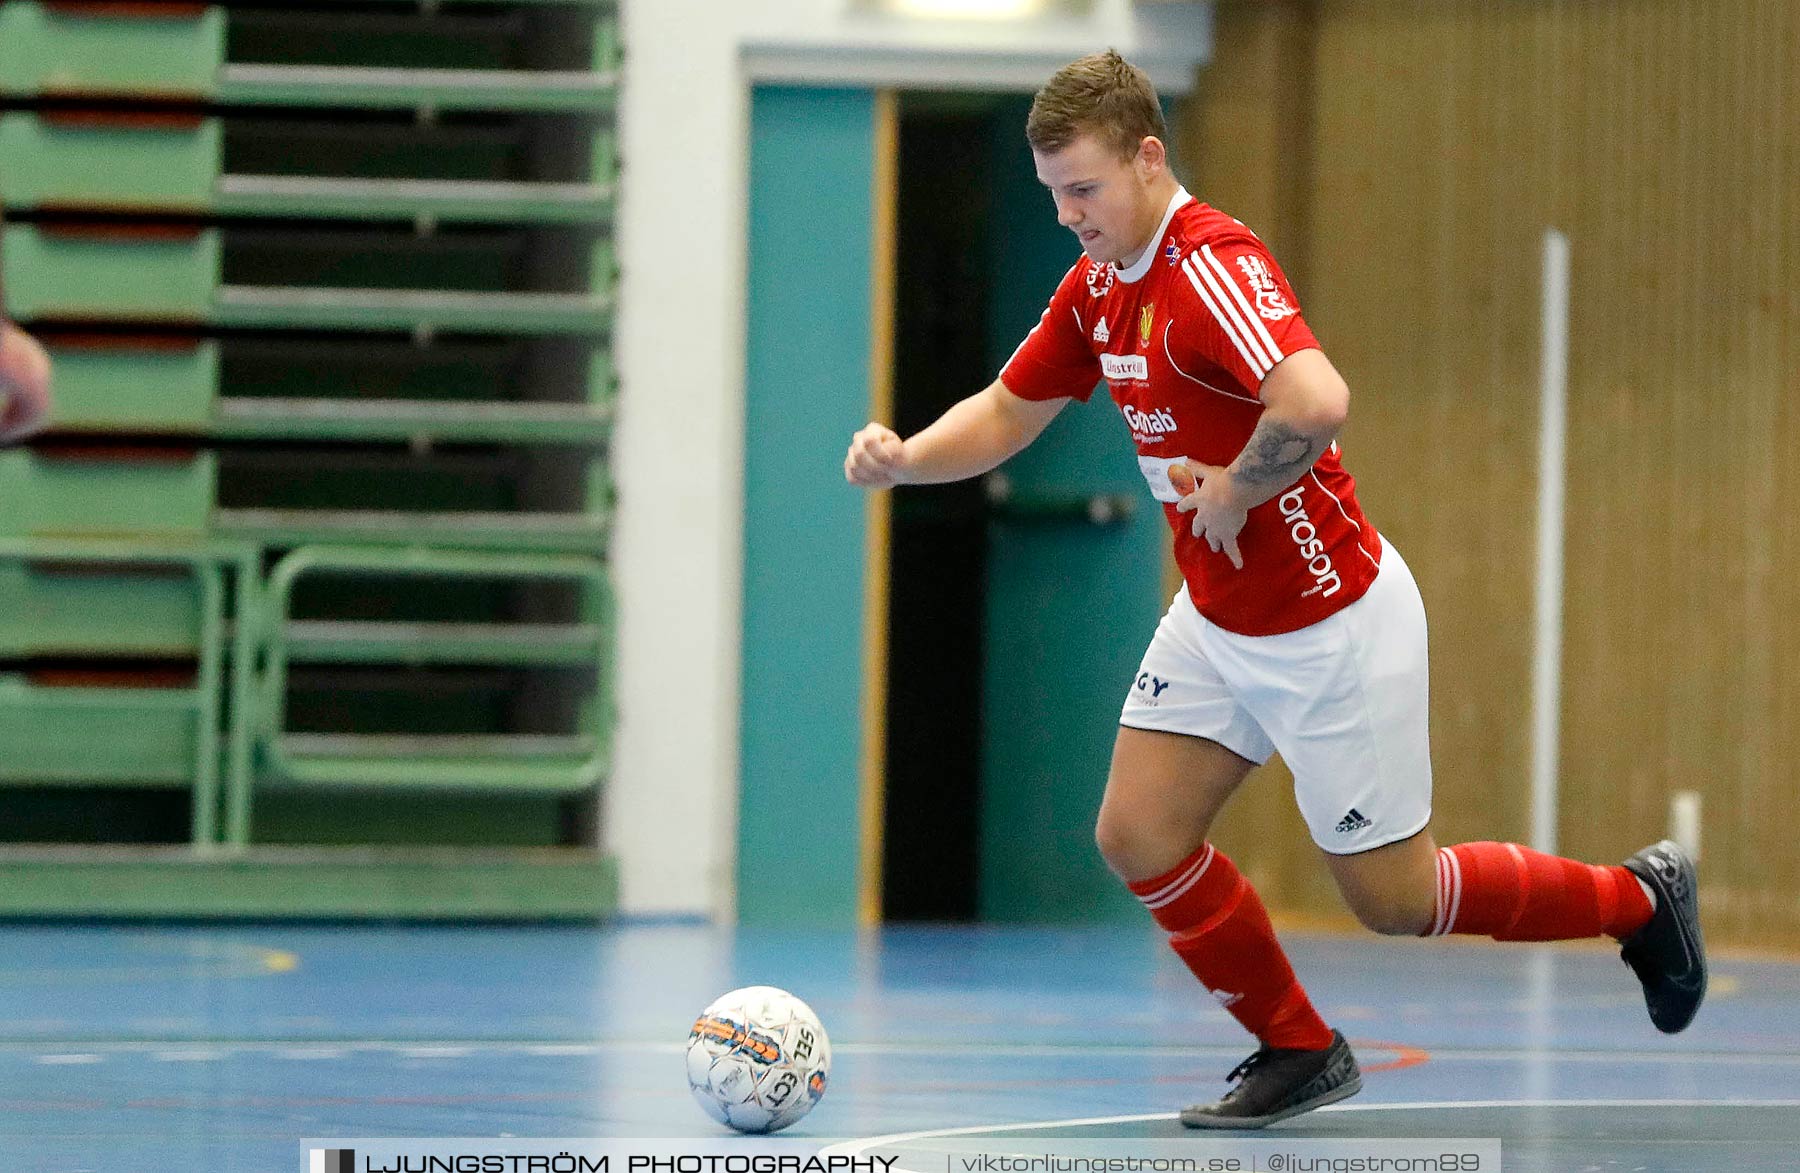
(24, 384)
(877, 458)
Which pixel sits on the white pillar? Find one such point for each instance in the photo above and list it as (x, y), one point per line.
(1547, 642)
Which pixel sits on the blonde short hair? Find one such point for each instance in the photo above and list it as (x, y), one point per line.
(1102, 94)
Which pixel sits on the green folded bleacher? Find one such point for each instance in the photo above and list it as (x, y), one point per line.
(160, 276)
(179, 50)
(177, 163)
(315, 549)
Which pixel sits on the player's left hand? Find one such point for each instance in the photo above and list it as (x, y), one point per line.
(1206, 492)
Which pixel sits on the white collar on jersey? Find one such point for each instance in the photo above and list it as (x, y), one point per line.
(1142, 264)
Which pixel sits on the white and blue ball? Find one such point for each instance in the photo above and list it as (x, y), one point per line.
(758, 1059)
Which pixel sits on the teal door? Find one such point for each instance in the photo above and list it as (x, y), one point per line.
(806, 391)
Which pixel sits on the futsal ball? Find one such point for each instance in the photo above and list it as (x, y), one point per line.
(757, 1059)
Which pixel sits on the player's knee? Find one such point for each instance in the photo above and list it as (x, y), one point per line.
(1136, 846)
(1392, 914)
(1128, 845)
(1116, 839)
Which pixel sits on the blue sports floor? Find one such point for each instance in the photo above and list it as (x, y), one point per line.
(207, 1048)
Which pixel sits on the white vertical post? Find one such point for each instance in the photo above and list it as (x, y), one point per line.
(1546, 660)
(1684, 821)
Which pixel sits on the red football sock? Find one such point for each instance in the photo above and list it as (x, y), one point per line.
(1512, 893)
(1219, 927)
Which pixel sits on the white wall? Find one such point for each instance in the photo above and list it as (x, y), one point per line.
(671, 815)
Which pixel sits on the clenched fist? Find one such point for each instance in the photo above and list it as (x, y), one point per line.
(24, 384)
(877, 458)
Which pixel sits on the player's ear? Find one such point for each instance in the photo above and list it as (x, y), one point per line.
(1152, 157)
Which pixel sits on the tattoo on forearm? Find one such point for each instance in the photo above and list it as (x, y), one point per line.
(1277, 454)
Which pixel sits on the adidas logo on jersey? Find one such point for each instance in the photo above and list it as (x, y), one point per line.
(1354, 821)
(1101, 334)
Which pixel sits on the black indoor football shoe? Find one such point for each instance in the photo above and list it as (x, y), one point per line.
(1274, 1084)
(1667, 954)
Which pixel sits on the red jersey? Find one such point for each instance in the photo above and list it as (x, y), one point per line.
(1184, 339)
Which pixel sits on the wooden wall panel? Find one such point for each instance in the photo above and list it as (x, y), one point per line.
(1682, 635)
(1409, 196)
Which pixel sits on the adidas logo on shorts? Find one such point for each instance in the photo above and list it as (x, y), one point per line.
(1354, 821)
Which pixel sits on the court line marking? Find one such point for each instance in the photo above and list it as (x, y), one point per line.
(229, 961)
(192, 1057)
(464, 1048)
(1435, 1104)
(854, 1148)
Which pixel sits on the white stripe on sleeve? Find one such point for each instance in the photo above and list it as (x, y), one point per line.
(1253, 361)
(1224, 299)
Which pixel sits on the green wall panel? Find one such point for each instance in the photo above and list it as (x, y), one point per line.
(1071, 605)
(51, 610)
(75, 736)
(307, 882)
(105, 275)
(132, 389)
(90, 51)
(806, 391)
(173, 167)
(139, 495)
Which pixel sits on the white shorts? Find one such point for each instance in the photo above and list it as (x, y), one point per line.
(1344, 701)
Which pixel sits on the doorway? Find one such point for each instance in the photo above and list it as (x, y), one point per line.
(1014, 627)
(938, 556)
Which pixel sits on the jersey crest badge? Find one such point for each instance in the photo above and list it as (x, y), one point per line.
(1270, 303)
(1146, 318)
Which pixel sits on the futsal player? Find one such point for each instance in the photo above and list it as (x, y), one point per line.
(1299, 628)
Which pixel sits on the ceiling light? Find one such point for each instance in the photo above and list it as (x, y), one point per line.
(974, 9)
